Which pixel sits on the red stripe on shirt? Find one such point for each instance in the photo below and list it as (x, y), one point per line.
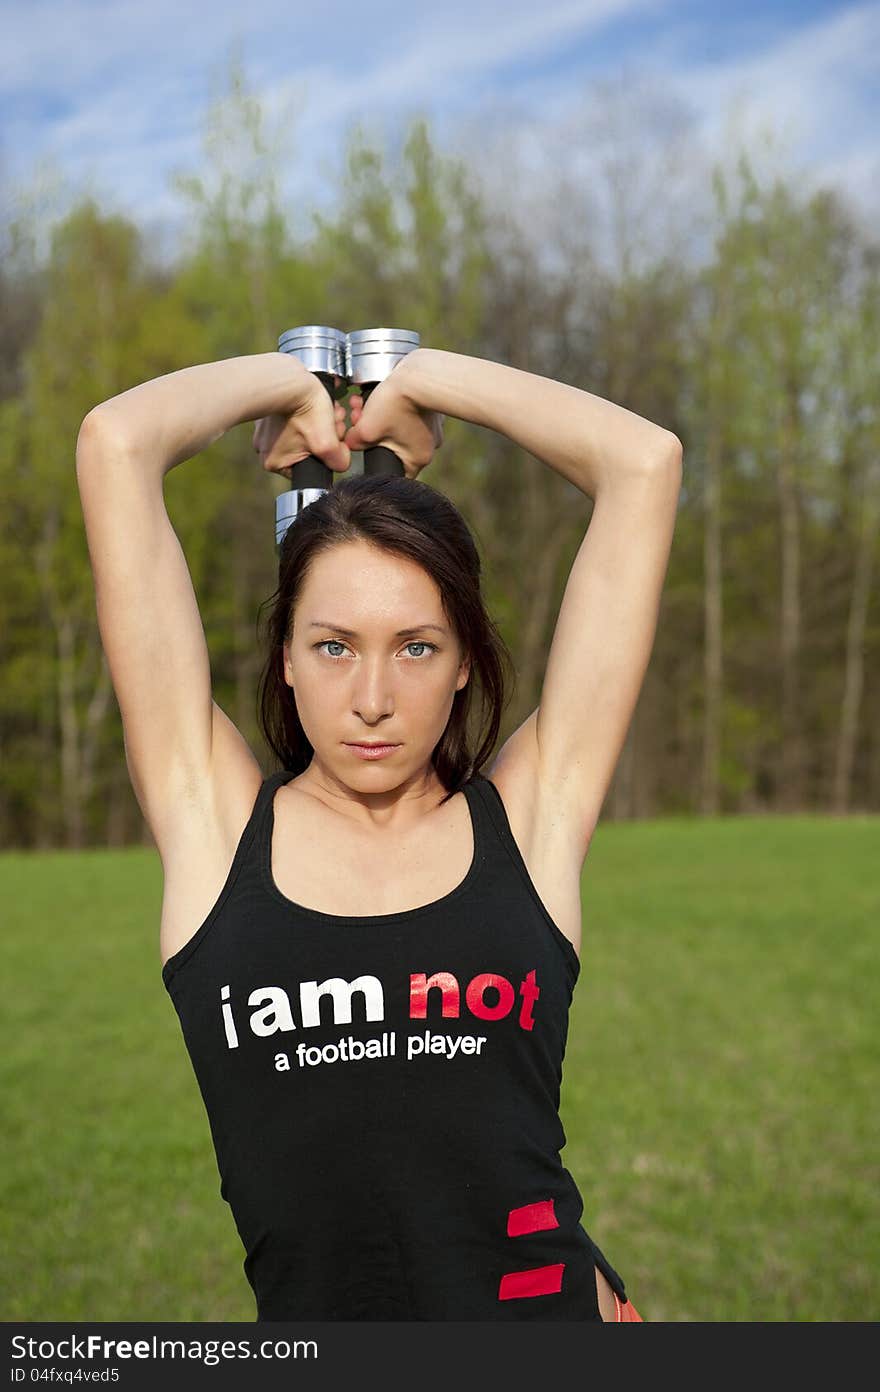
(532, 1217)
(541, 1280)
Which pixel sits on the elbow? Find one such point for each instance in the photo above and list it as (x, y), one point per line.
(88, 432)
(671, 450)
(668, 460)
(92, 422)
(97, 434)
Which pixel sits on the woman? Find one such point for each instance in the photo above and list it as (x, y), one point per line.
(372, 955)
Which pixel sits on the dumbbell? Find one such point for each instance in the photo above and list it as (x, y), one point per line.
(363, 359)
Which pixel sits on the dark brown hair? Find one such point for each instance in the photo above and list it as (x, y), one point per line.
(408, 518)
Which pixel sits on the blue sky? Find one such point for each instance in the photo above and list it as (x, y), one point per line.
(112, 96)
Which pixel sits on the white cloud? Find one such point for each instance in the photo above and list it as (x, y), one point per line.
(816, 90)
(805, 106)
(130, 85)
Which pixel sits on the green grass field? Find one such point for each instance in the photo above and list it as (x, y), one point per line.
(720, 1092)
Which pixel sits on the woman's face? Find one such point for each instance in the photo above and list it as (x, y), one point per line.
(365, 680)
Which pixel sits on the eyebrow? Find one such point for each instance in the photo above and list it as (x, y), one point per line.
(350, 633)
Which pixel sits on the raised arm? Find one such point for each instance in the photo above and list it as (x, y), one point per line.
(562, 758)
(176, 737)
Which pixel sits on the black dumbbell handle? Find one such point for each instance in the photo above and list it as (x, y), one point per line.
(312, 472)
(379, 459)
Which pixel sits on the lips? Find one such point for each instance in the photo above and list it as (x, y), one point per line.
(371, 751)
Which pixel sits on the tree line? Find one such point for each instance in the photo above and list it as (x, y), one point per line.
(761, 693)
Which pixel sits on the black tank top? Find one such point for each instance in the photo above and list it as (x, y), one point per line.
(383, 1091)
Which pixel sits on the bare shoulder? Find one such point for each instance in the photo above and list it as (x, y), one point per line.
(200, 834)
(544, 826)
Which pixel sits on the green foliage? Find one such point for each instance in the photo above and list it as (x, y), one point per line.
(764, 362)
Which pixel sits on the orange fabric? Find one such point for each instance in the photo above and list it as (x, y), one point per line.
(626, 1311)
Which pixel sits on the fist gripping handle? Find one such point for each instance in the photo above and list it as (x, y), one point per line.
(339, 360)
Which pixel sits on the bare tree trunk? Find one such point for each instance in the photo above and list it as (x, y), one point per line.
(651, 770)
(115, 824)
(873, 789)
(96, 714)
(718, 394)
(71, 803)
(71, 809)
(713, 672)
(791, 763)
(45, 826)
(854, 668)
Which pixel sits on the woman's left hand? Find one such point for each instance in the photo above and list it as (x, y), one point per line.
(390, 417)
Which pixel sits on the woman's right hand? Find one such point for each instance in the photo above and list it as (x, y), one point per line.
(316, 425)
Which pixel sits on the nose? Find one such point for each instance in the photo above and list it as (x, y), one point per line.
(372, 697)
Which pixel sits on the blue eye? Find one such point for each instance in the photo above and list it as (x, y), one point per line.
(336, 643)
(326, 643)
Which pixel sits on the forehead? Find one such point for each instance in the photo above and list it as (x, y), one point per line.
(357, 582)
